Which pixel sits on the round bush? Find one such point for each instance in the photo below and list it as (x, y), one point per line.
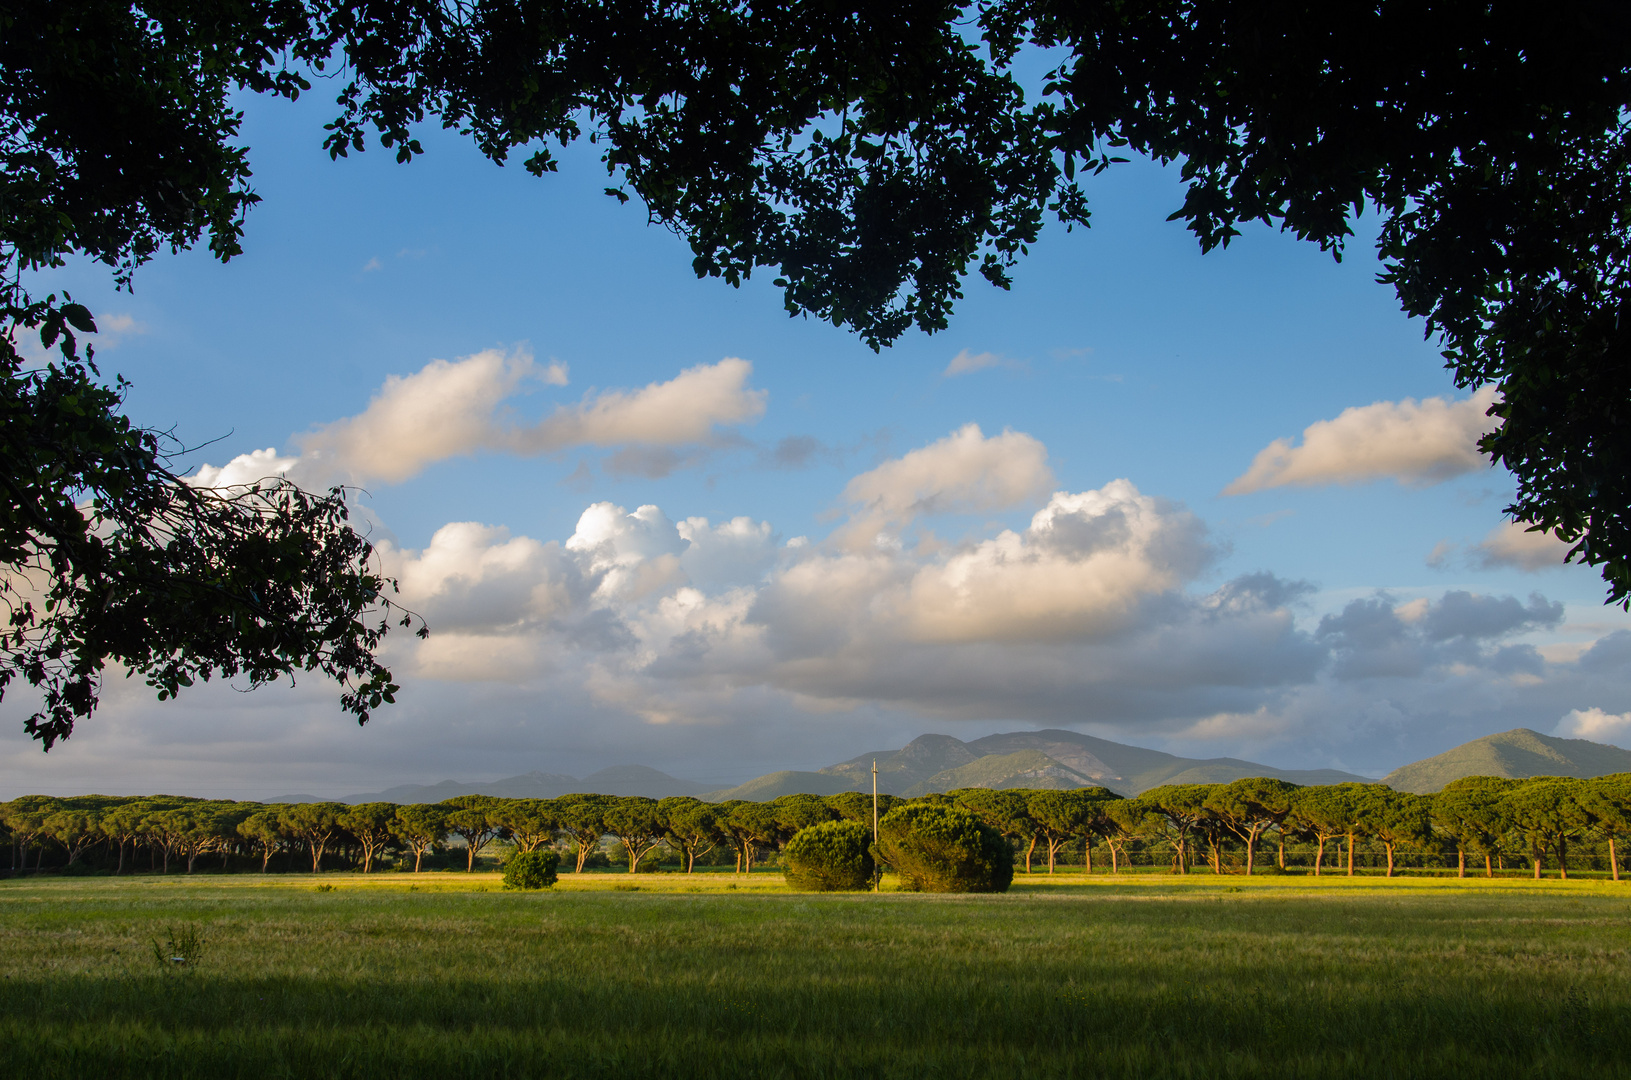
(833, 856)
(531, 870)
(944, 849)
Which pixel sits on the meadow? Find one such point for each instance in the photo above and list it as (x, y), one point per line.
(716, 975)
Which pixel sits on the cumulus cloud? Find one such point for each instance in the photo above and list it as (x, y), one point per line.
(1512, 545)
(1413, 442)
(446, 409)
(1084, 610)
(735, 552)
(1081, 569)
(764, 655)
(454, 408)
(1096, 612)
(244, 469)
(1376, 638)
(965, 472)
(1596, 725)
(683, 410)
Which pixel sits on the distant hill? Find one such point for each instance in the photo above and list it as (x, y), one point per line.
(1021, 769)
(787, 782)
(617, 780)
(1023, 759)
(1517, 753)
(1035, 759)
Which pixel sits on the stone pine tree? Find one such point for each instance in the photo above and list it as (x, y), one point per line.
(1250, 807)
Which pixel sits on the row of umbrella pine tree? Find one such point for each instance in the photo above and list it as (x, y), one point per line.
(1486, 820)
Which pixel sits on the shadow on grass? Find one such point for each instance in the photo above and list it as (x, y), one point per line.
(990, 1019)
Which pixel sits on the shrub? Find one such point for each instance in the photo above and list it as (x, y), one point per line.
(830, 857)
(183, 948)
(944, 849)
(531, 870)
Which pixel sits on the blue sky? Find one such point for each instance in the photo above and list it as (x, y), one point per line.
(1384, 633)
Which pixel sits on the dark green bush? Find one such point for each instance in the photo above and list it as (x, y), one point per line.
(944, 849)
(833, 856)
(531, 870)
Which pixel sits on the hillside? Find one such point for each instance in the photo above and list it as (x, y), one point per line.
(929, 763)
(787, 782)
(1028, 759)
(617, 780)
(1517, 753)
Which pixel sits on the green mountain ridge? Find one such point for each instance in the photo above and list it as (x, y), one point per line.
(1025, 759)
(1041, 759)
(1518, 754)
(1021, 769)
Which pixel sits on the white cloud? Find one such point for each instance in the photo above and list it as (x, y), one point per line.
(1510, 544)
(1080, 570)
(118, 324)
(1413, 442)
(632, 555)
(1596, 725)
(543, 649)
(445, 409)
(478, 577)
(966, 362)
(244, 469)
(683, 410)
(1091, 614)
(735, 552)
(452, 408)
(965, 472)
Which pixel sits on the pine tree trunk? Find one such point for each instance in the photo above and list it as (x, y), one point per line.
(1461, 870)
(1088, 856)
(1563, 858)
(1251, 853)
(1319, 857)
(1613, 859)
(122, 857)
(1389, 859)
(1489, 865)
(1350, 854)
(1537, 867)
(1282, 849)
(1028, 852)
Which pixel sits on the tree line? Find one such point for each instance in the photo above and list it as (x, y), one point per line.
(1229, 827)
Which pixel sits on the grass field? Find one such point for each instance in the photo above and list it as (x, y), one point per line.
(447, 976)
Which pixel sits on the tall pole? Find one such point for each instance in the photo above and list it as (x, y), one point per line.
(877, 878)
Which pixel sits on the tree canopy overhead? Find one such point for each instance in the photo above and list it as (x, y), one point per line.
(871, 157)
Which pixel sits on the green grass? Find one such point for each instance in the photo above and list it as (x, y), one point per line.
(446, 976)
